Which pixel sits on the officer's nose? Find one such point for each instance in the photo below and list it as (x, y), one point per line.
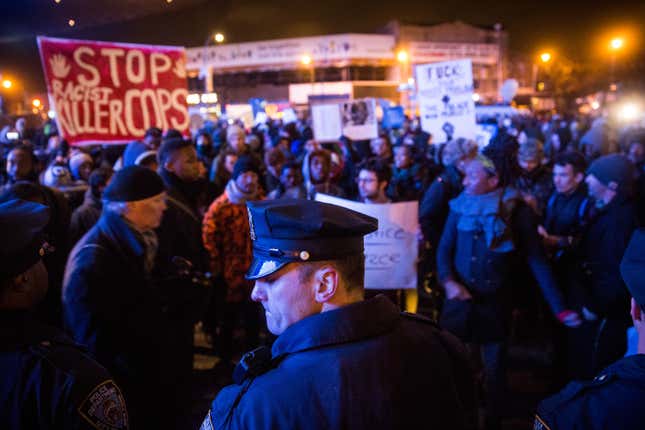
(257, 295)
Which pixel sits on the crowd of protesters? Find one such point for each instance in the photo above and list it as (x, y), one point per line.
(531, 227)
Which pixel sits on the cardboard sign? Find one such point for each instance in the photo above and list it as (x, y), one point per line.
(326, 122)
(390, 252)
(359, 119)
(445, 94)
(112, 92)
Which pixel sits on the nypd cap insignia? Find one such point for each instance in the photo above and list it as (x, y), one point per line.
(296, 230)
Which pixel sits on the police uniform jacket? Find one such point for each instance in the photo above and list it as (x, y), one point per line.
(363, 366)
(109, 305)
(613, 400)
(48, 382)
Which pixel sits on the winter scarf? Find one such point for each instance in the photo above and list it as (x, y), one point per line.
(486, 213)
(237, 196)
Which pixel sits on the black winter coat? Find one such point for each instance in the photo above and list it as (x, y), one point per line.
(111, 307)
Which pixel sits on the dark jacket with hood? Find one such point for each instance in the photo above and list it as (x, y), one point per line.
(85, 216)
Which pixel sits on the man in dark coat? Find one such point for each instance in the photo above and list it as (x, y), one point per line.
(566, 215)
(335, 349)
(46, 381)
(180, 236)
(86, 215)
(602, 295)
(109, 303)
(614, 398)
(535, 182)
(488, 228)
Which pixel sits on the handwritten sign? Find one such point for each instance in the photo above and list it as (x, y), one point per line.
(112, 92)
(445, 93)
(390, 252)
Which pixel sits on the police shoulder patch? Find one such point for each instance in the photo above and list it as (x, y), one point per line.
(105, 408)
(539, 424)
(208, 422)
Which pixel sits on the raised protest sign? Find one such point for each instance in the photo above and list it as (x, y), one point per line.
(359, 119)
(445, 94)
(391, 251)
(326, 122)
(112, 92)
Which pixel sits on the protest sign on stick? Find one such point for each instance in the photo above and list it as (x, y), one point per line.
(445, 93)
(112, 92)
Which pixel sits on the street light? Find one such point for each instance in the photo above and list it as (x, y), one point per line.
(36, 103)
(307, 61)
(219, 38)
(402, 56)
(616, 43)
(545, 57)
(7, 83)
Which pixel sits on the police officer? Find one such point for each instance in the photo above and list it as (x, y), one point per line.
(46, 381)
(613, 400)
(339, 361)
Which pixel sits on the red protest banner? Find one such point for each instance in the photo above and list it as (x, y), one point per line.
(112, 92)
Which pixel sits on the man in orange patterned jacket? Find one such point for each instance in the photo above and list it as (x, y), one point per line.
(226, 237)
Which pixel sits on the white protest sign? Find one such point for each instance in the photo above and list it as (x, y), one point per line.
(326, 122)
(359, 119)
(445, 93)
(289, 116)
(391, 251)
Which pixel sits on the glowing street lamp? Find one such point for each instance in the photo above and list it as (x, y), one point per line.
(545, 57)
(7, 84)
(305, 60)
(402, 56)
(219, 37)
(36, 103)
(616, 43)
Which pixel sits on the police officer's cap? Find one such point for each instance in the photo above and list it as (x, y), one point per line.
(295, 230)
(21, 230)
(633, 266)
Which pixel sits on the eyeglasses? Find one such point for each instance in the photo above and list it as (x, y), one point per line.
(365, 180)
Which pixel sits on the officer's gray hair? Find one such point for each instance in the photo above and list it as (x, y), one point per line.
(118, 208)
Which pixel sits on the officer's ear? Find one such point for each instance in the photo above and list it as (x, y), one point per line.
(326, 283)
(636, 312)
(579, 177)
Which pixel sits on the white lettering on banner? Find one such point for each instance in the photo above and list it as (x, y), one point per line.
(159, 63)
(140, 75)
(290, 51)
(479, 53)
(78, 57)
(390, 252)
(445, 93)
(112, 54)
(84, 109)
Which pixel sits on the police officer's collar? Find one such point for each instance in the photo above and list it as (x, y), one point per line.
(361, 320)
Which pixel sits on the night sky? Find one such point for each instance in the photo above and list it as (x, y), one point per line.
(576, 29)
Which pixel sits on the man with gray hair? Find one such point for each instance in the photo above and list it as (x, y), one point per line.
(109, 304)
